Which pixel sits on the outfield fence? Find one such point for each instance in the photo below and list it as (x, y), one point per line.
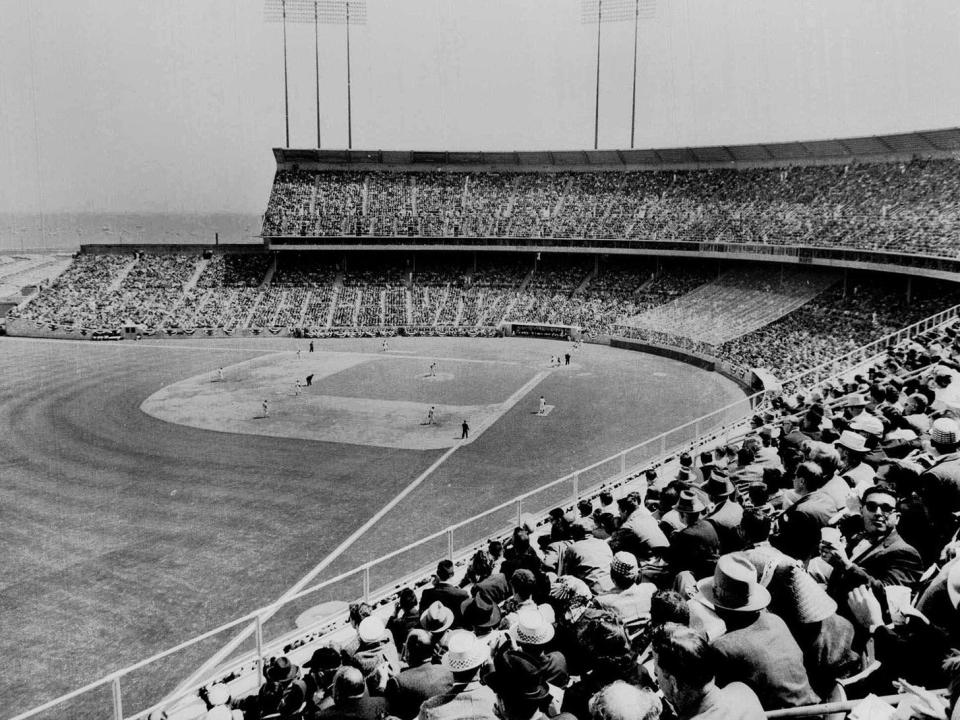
(132, 692)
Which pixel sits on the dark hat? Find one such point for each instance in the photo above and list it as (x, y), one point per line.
(325, 658)
(718, 486)
(281, 670)
(517, 678)
(479, 613)
(689, 502)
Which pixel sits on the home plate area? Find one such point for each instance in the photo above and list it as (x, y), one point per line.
(355, 398)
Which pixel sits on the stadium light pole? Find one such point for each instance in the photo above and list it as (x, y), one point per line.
(286, 87)
(326, 12)
(601, 11)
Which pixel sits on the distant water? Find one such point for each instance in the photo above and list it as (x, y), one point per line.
(67, 231)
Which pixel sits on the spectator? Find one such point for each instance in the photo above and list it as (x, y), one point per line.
(467, 699)
(420, 680)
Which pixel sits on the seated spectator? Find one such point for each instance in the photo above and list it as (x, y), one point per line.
(876, 557)
(351, 701)
(420, 680)
(284, 694)
(758, 648)
(533, 633)
(322, 666)
(695, 548)
(521, 694)
(620, 701)
(588, 558)
(799, 527)
(686, 671)
(631, 601)
(444, 591)
(377, 656)
(467, 699)
(639, 533)
(406, 616)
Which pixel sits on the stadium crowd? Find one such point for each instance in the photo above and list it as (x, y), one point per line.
(913, 207)
(815, 559)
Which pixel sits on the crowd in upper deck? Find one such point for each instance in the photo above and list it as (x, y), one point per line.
(905, 207)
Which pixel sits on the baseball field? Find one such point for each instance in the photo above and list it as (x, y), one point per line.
(147, 496)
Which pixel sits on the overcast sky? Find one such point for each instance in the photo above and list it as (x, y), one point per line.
(174, 105)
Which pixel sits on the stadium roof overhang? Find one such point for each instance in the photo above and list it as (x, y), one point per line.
(902, 146)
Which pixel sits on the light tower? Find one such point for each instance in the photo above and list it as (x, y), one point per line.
(326, 12)
(601, 11)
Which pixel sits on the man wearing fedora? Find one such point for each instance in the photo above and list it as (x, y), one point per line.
(695, 548)
(757, 648)
(853, 449)
(284, 693)
(420, 680)
(467, 699)
(725, 514)
(876, 557)
(684, 665)
(940, 483)
(521, 694)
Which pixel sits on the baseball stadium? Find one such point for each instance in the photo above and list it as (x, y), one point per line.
(503, 405)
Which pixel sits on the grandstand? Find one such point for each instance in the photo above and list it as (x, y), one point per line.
(798, 260)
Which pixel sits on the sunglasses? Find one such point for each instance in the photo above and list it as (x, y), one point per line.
(875, 507)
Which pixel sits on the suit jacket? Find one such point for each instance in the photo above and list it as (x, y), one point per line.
(736, 701)
(450, 595)
(494, 589)
(407, 691)
(765, 656)
(889, 562)
(695, 548)
(799, 527)
(472, 701)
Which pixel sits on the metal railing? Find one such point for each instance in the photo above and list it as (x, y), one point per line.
(382, 576)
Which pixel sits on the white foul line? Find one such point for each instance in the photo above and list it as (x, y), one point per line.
(218, 657)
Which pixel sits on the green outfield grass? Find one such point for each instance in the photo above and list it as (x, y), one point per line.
(124, 534)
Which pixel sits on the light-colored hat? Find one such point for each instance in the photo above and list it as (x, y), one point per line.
(625, 565)
(867, 424)
(217, 694)
(465, 651)
(571, 590)
(852, 441)
(810, 602)
(945, 432)
(854, 400)
(372, 629)
(734, 585)
(436, 618)
(533, 628)
(219, 712)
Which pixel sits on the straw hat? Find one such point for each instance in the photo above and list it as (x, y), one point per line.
(436, 618)
(852, 441)
(533, 628)
(945, 432)
(571, 590)
(217, 694)
(734, 585)
(810, 602)
(854, 400)
(867, 424)
(465, 652)
(625, 565)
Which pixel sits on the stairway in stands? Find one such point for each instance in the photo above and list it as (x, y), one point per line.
(738, 302)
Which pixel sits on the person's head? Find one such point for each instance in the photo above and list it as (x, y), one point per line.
(827, 457)
(669, 496)
(407, 599)
(944, 436)
(626, 506)
(585, 507)
(669, 606)
(683, 663)
(622, 701)
(756, 526)
(495, 548)
(348, 685)
(852, 447)
(809, 477)
(624, 569)
(745, 455)
(606, 498)
(481, 565)
(523, 583)
(418, 647)
(686, 460)
(444, 570)
(690, 507)
(608, 522)
(521, 692)
(357, 612)
(878, 508)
